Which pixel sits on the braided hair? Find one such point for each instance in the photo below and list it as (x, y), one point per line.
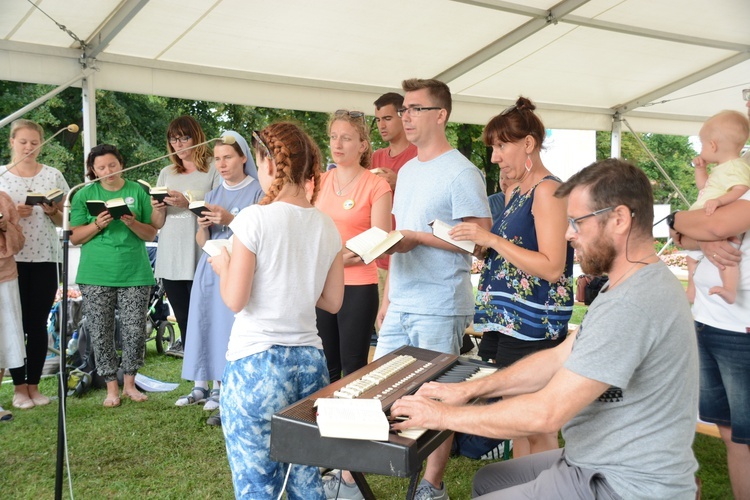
(296, 156)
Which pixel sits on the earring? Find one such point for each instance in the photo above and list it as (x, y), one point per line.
(529, 164)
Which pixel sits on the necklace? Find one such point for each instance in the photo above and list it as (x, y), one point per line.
(639, 261)
(31, 178)
(341, 189)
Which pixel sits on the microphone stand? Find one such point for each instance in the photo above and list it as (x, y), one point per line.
(70, 128)
(61, 435)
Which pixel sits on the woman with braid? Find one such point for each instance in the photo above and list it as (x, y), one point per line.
(285, 261)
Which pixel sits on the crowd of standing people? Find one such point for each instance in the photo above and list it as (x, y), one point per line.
(627, 380)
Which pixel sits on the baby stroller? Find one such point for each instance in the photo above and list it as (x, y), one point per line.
(158, 327)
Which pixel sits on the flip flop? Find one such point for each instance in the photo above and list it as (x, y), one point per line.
(138, 397)
(6, 416)
(112, 402)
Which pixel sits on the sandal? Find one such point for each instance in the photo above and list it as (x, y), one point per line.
(197, 395)
(213, 401)
(5, 415)
(138, 397)
(112, 402)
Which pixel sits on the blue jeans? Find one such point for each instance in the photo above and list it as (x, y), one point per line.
(436, 333)
(254, 388)
(725, 379)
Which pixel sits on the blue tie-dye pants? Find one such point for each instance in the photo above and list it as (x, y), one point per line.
(254, 388)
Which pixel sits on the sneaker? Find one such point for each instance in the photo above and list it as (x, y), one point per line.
(213, 401)
(334, 487)
(425, 491)
(176, 349)
(214, 419)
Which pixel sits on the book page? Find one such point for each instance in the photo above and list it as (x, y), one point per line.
(373, 243)
(213, 247)
(352, 419)
(440, 230)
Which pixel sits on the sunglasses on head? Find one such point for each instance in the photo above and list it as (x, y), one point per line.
(257, 143)
(351, 114)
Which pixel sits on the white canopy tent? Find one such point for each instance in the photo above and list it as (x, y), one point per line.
(665, 65)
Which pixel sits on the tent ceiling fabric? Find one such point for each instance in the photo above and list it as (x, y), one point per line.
(665, 64)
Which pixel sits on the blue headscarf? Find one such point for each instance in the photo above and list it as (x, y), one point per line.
(249, 167)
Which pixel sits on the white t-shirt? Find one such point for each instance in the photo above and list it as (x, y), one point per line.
(42, 242)
(711, 309)
(294, 249)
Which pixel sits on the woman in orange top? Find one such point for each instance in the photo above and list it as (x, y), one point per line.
(356, 200)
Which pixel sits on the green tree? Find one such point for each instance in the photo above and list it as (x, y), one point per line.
(674, 154)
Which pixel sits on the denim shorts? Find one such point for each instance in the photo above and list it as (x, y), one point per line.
(436, 333)
(725, 379)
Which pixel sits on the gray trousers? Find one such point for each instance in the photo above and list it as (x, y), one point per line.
(543, 475)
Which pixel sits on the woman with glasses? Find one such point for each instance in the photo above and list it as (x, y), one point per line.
(38, 261)
(189, 178)
(210, 321)
(114, 269)
(356, 200)
(525, 292)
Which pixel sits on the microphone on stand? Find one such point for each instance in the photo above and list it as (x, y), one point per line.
(61, 437)
(70, 128)
(227, 139)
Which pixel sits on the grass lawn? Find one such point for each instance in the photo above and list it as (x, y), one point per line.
(157, 450)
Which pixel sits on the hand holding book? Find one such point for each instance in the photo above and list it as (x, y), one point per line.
(458, 236)
(373, 243)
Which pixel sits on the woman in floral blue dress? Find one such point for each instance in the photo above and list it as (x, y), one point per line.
(525, 293)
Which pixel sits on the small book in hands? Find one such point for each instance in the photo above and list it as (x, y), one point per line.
(198, 207)
(440, 230)
(373, 243)
(47, 198)
(213, 247)
(116, 207)
(156, 192)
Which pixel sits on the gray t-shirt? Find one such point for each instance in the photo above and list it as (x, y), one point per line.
(178, 252)
(639, 338)
(429, 280)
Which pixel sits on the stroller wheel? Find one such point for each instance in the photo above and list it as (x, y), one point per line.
(164, 336)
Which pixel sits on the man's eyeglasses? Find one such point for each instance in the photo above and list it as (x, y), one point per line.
(574, 221)
(415, 111)
(746, 94)
(351, 114)
(181, 140)
(258, 142)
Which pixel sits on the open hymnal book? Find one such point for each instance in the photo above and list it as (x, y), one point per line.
(373, 243)
(116, 207)
(157, 192)
(213, 247)
(352, 419)
(198, 207)
(47, 198)
(440, 230)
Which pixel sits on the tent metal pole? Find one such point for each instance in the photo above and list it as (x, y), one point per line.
(38, 102)
(88, 101)
(656, 162)
(616, 140)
